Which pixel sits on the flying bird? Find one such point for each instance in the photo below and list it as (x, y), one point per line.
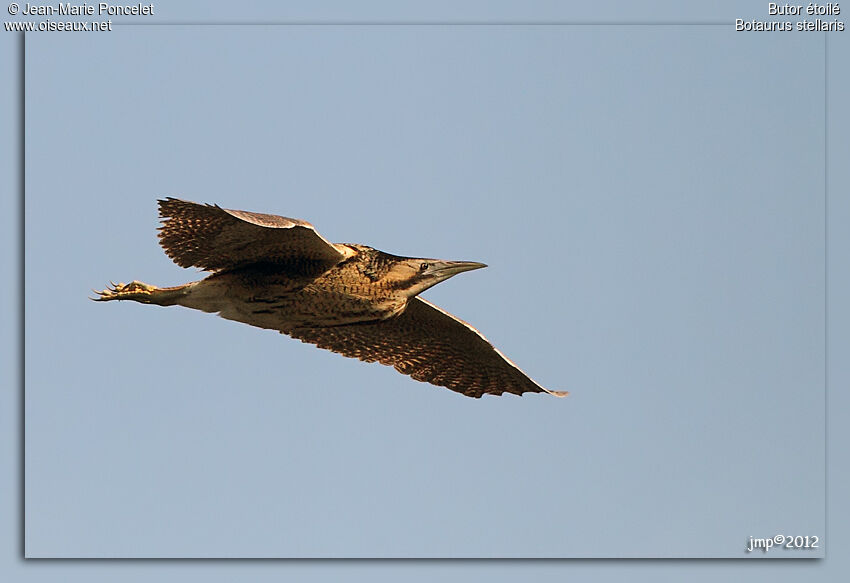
(281, 274)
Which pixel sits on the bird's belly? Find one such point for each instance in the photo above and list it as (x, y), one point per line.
(282, 308)
(296, 310)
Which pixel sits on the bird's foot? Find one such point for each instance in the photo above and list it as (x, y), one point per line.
(135, 290)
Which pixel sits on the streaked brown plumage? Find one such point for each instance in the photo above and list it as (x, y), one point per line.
(279, 273)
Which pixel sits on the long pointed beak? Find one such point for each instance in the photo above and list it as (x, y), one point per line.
(446, 269)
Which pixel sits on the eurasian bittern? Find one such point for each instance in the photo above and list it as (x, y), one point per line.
(279, 273)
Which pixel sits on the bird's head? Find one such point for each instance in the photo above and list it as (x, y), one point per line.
(410, 275)
(415, 275)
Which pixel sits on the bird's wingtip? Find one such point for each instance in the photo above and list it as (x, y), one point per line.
(163, 204)
(172, 200)
(559, 393)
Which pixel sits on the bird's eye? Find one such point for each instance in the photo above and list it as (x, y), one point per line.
(424, 266)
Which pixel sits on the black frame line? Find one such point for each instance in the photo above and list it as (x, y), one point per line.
(21, 269)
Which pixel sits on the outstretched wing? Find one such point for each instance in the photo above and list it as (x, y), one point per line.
(213, 238)
(430, 345)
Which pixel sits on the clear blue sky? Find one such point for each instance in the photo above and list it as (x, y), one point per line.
(661, 187)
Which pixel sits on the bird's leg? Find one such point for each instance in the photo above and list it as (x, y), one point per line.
(143, 293)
